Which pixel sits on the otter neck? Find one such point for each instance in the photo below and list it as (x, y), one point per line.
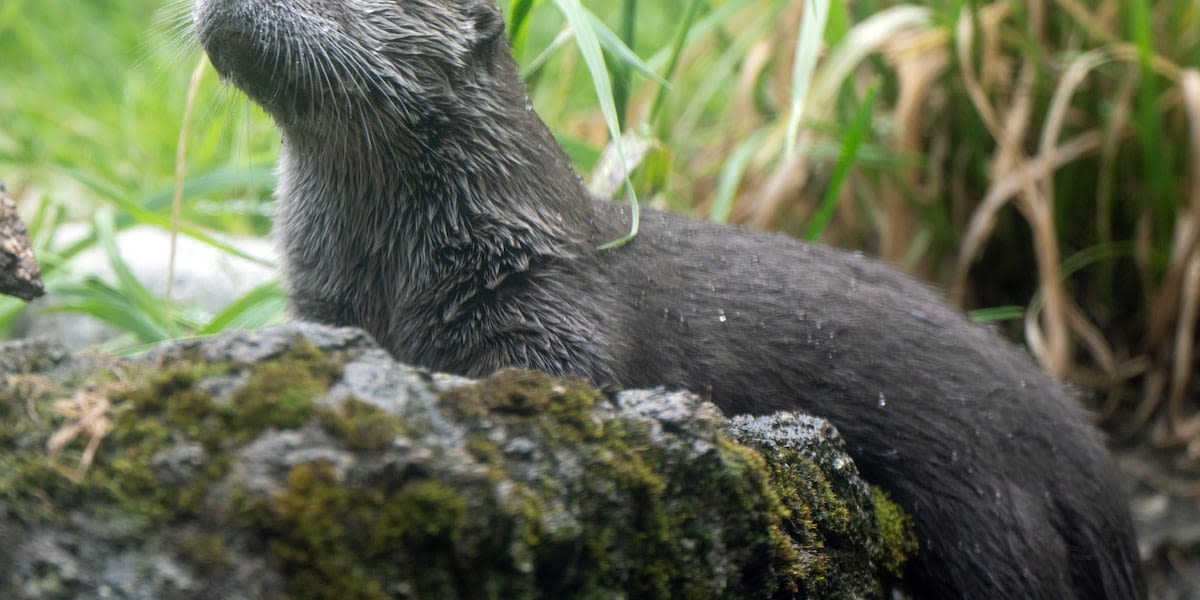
(454, 203)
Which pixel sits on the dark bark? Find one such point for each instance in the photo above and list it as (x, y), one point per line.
(19, 272)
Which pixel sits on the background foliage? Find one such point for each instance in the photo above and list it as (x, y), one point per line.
(1035, 158)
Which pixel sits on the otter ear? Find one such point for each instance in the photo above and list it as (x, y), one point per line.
(489, 25)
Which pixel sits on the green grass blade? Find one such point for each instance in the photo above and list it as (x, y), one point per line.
(997, 314)
(677, 44)
(621, 51)
(135, 212)
(860, 127)
(518, 20)
(711, 22)
(1149, 122)
(213, 183)
(618, 71)
(533, 71)
(10, 309)
(140, 299)
(808, 47)
(593, 56)
(261, 306)
(731, 176)
(109, 305)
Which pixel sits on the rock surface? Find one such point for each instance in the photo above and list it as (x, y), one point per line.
(303, 462)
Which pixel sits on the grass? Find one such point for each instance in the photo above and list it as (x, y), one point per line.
(1035, 159)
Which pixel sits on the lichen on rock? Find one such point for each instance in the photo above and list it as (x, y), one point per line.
(303, 462)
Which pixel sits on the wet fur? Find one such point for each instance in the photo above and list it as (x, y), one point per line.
(422, 200)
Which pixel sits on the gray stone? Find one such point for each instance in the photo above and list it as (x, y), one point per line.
(303, 460)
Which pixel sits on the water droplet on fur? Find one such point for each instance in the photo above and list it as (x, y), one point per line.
(721, 315)
(854, 283)
(954, 456)
(666, 314)
(882, 400)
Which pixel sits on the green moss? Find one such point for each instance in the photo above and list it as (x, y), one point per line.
(19, 396)
(814, 507)
(280, 393)
(532, 396)
(482, 449)
(277, 394)
(643, 539)
(335, 542)
(785, 563)
(153, 414)
(208, 553)
(898, 535)
(840, 541)
(617, 525)
(25, 471)
(148, 420)
(172, 393)
(362, 426)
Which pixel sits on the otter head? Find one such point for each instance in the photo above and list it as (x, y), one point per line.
(342, 64)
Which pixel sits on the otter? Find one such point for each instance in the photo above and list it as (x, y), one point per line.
(422, 199)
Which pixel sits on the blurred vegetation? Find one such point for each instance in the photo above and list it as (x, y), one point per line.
(1036, 159)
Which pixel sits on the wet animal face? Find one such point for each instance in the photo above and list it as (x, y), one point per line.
(339, 61)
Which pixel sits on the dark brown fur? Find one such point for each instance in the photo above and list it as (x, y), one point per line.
(422, 200)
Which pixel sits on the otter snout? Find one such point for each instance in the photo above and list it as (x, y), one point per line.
(246, 40)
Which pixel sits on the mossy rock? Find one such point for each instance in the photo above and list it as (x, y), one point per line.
(302, 462)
